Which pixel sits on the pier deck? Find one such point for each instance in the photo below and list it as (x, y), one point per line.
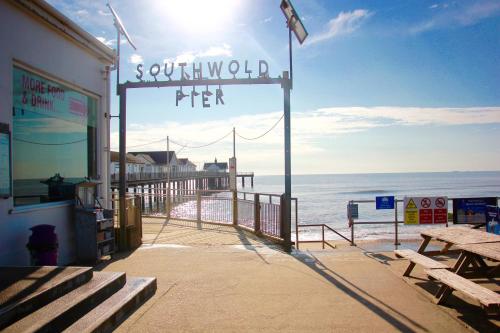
(211, 278)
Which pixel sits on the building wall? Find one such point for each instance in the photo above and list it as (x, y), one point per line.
(28, 40)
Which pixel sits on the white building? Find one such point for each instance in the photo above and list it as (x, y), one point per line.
(54, 101)
(185, 165)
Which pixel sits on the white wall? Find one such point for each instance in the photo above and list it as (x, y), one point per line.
(26, 39)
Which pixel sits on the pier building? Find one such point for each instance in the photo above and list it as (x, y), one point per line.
(54, 121)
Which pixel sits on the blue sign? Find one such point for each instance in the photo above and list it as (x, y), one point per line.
(492, 219)
(471, 210)
(386, 202)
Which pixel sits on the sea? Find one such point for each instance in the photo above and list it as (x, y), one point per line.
(324, 198)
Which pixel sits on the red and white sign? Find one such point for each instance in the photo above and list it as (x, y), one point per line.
(431, 210)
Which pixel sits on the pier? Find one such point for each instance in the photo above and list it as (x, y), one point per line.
(193, 180)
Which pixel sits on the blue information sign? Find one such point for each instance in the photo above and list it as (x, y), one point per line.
(386, 202)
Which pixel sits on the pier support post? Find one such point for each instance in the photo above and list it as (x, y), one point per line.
(122, 93)
(256, 213)
(235, 208)
(198, 206)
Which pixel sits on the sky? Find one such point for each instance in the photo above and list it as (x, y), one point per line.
(379, 86)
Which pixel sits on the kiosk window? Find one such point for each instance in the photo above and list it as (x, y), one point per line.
(54, 139)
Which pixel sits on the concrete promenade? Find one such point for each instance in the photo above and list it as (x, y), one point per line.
(218, 279)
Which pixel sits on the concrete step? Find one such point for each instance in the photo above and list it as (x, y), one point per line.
(111, 313)
(24, 290)
(59, 314)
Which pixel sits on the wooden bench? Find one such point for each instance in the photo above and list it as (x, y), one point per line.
(417, 258)
(489, 300)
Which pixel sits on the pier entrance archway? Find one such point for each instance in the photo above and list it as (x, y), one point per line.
(284, 81)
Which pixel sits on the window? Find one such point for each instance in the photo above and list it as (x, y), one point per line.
(54, 139)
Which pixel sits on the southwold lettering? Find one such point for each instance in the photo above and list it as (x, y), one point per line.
(196, 70)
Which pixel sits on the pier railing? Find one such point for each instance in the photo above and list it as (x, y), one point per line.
(173, 175)
(260, 213)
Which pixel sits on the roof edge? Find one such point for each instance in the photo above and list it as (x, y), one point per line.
(67, 27)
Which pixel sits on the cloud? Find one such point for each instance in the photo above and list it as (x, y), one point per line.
(135, 59)
(108, 42)
(307, 129)
(103, 13)
(188, 57)
(458, 15)
(415, 116)
(267, 19)
(345, 23)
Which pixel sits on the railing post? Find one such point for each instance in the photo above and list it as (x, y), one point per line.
(167, 204)
(323, 235)
(235, 208)
(256, 203)
(198, 206)
(396, 240)
(296, 224)
(351, 223)
(282, 216)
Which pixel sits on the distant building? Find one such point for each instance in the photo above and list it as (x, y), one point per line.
(134, 164)
(218, 167)
(161, 158)
(185, 165)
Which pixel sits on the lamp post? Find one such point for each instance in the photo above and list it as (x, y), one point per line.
(294, 24)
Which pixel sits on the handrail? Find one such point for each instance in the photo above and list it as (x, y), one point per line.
(322, 241)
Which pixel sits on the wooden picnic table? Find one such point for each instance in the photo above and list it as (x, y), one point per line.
(453, 236)
(472, 254)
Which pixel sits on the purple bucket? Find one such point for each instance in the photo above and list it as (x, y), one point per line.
(43, 245)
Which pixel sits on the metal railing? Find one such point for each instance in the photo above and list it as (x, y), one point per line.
(175, 175)
(396, 221)
(322, 241)
(260, 213)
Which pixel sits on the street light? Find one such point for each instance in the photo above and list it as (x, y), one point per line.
(294, 24)
(293, 21)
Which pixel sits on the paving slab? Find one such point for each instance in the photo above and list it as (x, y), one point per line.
(256, 287)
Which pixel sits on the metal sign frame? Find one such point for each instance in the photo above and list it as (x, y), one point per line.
(284, 81)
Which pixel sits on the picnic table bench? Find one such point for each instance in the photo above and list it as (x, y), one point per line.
(473, 245)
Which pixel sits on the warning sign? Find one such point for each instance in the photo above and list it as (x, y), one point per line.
(426, 210)
(411, 212)
(425, 216)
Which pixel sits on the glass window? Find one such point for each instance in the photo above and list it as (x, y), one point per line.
(54, 139)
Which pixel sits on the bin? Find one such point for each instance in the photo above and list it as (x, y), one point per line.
(43, 245)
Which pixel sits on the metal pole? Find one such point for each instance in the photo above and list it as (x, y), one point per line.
(234, 142)
(168, 179)
(118, 32)
(290, 54)
(396, 240)
(122, 92)
(288, 174)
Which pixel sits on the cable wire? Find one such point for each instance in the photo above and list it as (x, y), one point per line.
(205, 145)
(266, 132)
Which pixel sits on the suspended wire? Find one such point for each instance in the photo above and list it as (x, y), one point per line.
(147, 143)
(205, 145)
(266, 132)
(210, 143)
(49, 144)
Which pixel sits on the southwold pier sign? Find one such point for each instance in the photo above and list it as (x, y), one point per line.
(195, 73)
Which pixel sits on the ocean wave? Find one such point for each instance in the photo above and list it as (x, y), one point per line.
(367, 192)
